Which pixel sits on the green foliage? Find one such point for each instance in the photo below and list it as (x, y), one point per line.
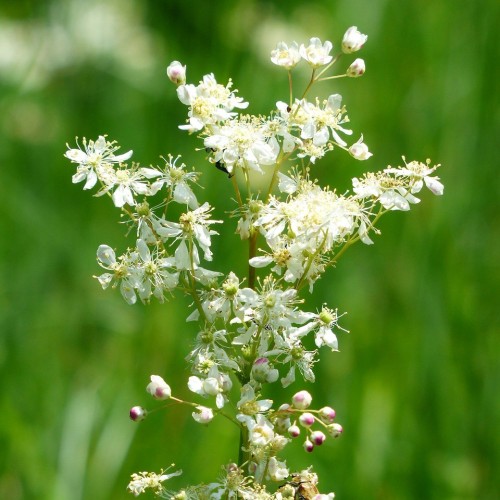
(415, 384)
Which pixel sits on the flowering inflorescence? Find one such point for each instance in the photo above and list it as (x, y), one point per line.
(252, 331)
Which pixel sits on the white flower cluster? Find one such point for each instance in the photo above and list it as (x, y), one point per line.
(307, 129)
(164, 249)
(150, 480)
(269, 432)
(252, 331)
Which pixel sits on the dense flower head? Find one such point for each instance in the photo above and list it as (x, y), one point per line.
(306, 227)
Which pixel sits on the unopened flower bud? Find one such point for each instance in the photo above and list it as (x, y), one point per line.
(225, 382)
(204, 415)
(327, 414)
(359, 150)
(318, 438)
(158, 388)
(263, 371)
(308, 446)
(301, 400)
(211, 386)
(357, 68)
(176, 72)
(353, 40)
(335, 430)
(306, 419)
(294, 431)
(138, 413)
(252, 467)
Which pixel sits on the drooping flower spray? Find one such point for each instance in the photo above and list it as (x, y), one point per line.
(250, 330)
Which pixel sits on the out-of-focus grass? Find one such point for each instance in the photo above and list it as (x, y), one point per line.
(415, 384)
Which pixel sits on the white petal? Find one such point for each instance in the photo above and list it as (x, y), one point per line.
(195, 385)
(183, 194)
(143, 250)
(106, 255)
(260, 261)
(434, 185)
(123, 157)
(91, 180)
(76, 155)
(119, 196)
(128, 293)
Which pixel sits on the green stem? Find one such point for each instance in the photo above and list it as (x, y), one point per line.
(243, 456)
(290, 87)
(252, 252)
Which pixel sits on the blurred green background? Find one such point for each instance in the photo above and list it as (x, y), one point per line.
(416, 384)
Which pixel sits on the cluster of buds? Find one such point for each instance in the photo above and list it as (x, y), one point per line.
(306, 418)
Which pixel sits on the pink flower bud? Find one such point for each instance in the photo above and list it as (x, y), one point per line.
(318, 438)
(138, 413)
(359, 150)
(301, 400)
(204, 415)
(308, 446)
(357, 68)
(306, 419)
(294, 431)
(176, 72)
(158, 388)
(335, 430)
(327, 414)
(263, 371)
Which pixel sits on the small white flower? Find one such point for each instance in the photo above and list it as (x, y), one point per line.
(158, 388)
(193, 226)
(277, 470)
(242, 143)
(209, 103)
(204, 415)
(261, 431)
(418, 174)
(176, 72)
(353, 40)
(97, 156)
(357, 68)
(176, 178)
(359, 150)
(123, 272)
(149, 480)
(285, 56)
(316, 53)
(248, 404)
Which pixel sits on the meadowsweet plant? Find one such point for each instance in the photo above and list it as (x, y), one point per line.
(253, 330)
